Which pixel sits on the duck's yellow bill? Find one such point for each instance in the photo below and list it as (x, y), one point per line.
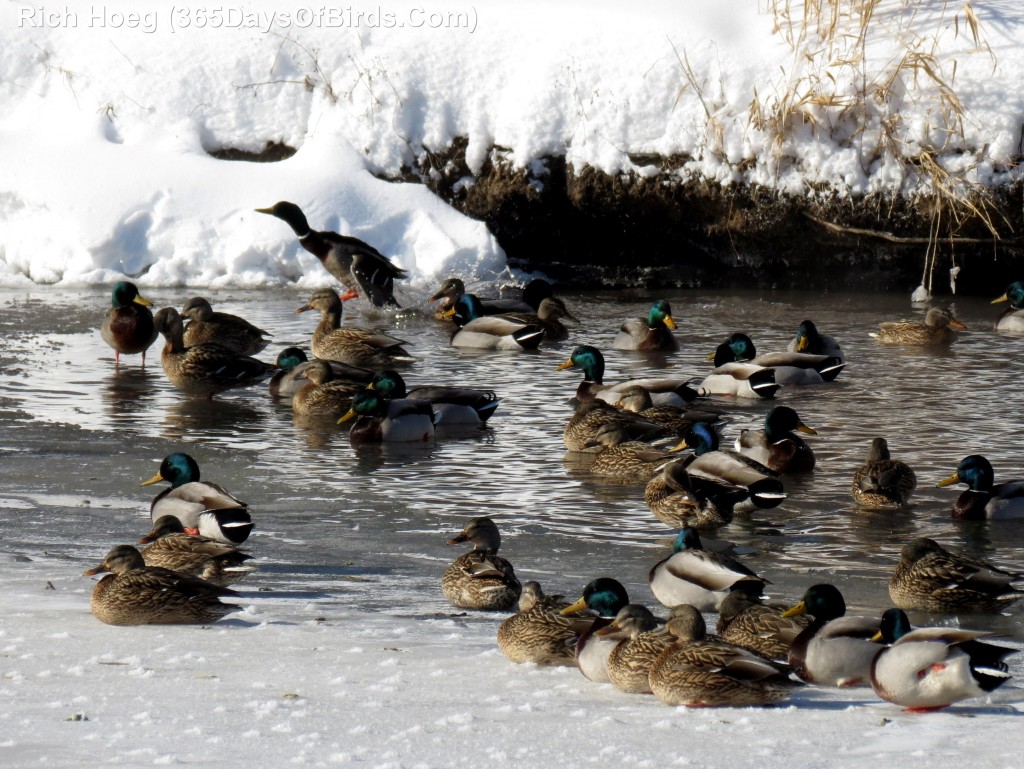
(155, 479)
(796, 611)
(954, 478)
(348, 416)
(580, 605)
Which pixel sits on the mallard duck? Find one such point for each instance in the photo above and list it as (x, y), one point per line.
(539, 632)
(323, 395)
(534, 293)
(983, 499)
(652, 334)
(622, 458)
(808, 340)
(709, 462)
(292, 362)
(678, 419)
(171, 548)
(205, 325)
(350, 344)
(606, 597)
(696, 576)
(882, 481)
(667, 391)
(937, 329)
(745, 621)
(641, 640)
(364, 270)
(931, 668)
(582, 429)
(136, 594)
(491, 332)
(454, 405)
(738, 353)
(1012, 318)
(931, 578)
(205, 369)
(128, 325)
(480, 579)
(381, 420)
(203, 508)
(679, 500)
(833, 650)
(776, 446)
(697, 671)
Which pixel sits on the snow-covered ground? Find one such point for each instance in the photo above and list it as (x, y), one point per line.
(104, 172)
(110, 109)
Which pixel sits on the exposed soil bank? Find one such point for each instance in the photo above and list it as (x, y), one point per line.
(589, 228)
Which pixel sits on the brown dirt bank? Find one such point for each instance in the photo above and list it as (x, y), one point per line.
(592, 229)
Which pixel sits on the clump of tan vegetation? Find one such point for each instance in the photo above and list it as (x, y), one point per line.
(837, 85)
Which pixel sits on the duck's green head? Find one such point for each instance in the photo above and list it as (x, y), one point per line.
(1014, 295)
(590, 360)
(604, 595)
(701, 437)
(807, 337)
(290, 213)
(125, 294)
(388, 383)
(975, 471)
(290, 357)
(660, 315)
(823, 602)
(782, 421)
(687, 539)
(738, 347)
(466, 308)
(178, 469)
(365, 403)
(894, 625)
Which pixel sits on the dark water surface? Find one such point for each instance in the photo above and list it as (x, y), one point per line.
(78, 436)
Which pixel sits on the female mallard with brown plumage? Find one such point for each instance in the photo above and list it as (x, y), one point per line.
(136, 594)
(171, 548)
(480, 579)
(882, 481)
(938, 329)
(205, 325)
(624, 459)
(350, 344)
(539, 632)
(323, 395)
(700, 672)
(205, 369)
(637, 399)
(745, 621)
(931, 578)
(128, 325)
(582, 429)
(641, 640)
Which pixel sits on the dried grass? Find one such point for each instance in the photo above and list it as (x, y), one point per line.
(829, 40)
